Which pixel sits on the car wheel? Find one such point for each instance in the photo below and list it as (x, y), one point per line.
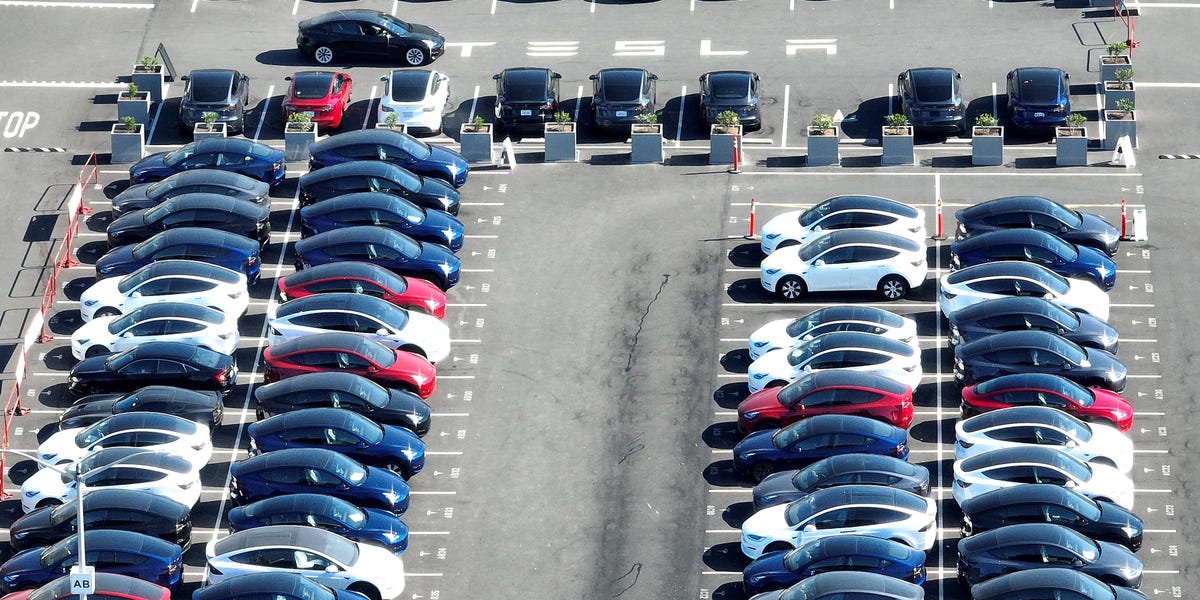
(415, 57)
(48, 502)
(367, 590)
(786, 243)
(414, 349)
(106, 311)
(1100, 460)
(397, 468)
(760, 470)
(323, 55)
(893, 287)
(95, 351)
(791, 288)
(766, 424)
(778, 547)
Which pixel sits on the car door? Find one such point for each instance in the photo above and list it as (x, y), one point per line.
(830, 270)
(373, 40)
(204, 160)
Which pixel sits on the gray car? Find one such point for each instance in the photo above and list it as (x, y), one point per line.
(621, 96)
(222, 91)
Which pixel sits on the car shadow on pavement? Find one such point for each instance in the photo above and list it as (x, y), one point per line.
(932, 431)
(731, 394)
(722, 436)
(65, 322)
(730, 591)
(726, 556)
(90, 252)
(735, 514)
(746, 255)
(721, 474)
(737, 361)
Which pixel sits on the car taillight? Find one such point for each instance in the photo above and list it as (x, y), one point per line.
(180, 526)
(213, 570)
(187, 486)
(965, 444)
(252, 259)
(901, 448)
(948, 295)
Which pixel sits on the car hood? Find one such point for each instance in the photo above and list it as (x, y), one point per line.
(443, 221)
(1093, 328)
(1115, 557)
(437, 253)
(761, 400)
(386, 484)
(410, 407)
(397, 439)
(133, 193)
(22, 563)
(36, 520)
(772, 363)
(115, 261)
(373, 559)
(1093, 259)
(768, 522)
(446, 156)
(61, 447)
(49, 484)
(104, 288)
(151, 163)
(130, 220)
(421, 326)
(1086, 295)
(382, 521)
(424, 31)
(770, 564)
(93, 330)
(772, 486)
(89, 412)
(1097, 226)
(785, 224)
(436, 188)
(1111, 515)
(787, 259)
(759, 441)
(1105, 364)
(90, 366)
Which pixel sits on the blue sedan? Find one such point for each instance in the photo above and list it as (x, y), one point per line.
(389, 249)
(316, 470)
(393, 448)
(108, 550)
(803, 442)
(1036, 246)
(277, 585)
(1038, 97)
(378, 176)
(781, 569)
(235, 155)
(384, 210)
(369, 525)
(400, 149)
(221, 248)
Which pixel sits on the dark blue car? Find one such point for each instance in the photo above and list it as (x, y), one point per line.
(221, 248)
(320, 471)
(1038, 97)
(384, 210)
(393, 448)
(1051, 583)
(398, 148)
(377, 176)
(1048, 503)
(236, 155)
(1028, 546)
(108, 550)
(1021, 313)
(277, 585)
(208, 181)
(781, 569)
(346, 391)
(369, 525)
(1036, 212)
(389, 249)
(803, 442)
(1015, 352)
(841, 469)
(1036, 246)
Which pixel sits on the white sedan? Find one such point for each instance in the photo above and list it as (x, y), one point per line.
(365, 315)
(146, 430)
(1002, 278)
(854, 350)
(320, 555)
(188, 281)
(417, 97)
(843, 212)
(845, 261)
(1007, 467)
(871, 510)
(1044, 426)
(785, 333)
(167, 475)
(161, 322)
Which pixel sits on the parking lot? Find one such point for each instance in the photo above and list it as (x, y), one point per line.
(584, 422)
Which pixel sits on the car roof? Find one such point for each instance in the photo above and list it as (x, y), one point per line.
(1014, 339)
(136, 500)
(219, 202)
(347, 14)
(276, 535)
(1048, 381)
(195, 268)
(730, 77)
(841, 495)
(1019, 494)
(858, 461)
(1018, 415)
(1038, 72)
(338, 302)
(296, 457)
(176, 350)
(208, 235)
(103, 584)
(526, 75)
(374, 168)
(862, 339)
(841, 378)
(339, 340)
(849, 582)
(1017, 454)
(324, 416)
(1044, 581)
(359, 136)
(239, 145)
(1026, 236)
(149, 420)
(212, 76)
(362, 200)
(844, 237)
(132, 541)
(623, 74)
(316, 503)
(264, 584)
(1022, 533)
(216, 177)
(183, 310)
(1004, 268)
(853, 312)
(837, 545)
(1008, 204)
(1010, 305)
(361, 233)
(819, 424)
(866, 202)
(331, 380)
(410, 76)
(138, 457)
(357, 269)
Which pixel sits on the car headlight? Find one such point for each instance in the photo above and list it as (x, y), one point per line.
(758, 376)
(429, 43)
(770, 236)
(11, 578)
(49, 457)
(753, 538)
(72, 379)
(409, 453)
(20, 535)
(90, 302)
(386, 109)
(750, 415)
(771, 271)
(31, 494)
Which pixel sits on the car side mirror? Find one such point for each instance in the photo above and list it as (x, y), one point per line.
(1078, 564)
(372, 369)
(1066, 75)
(384, 78)
(592, 77)
(288, 78)
(810, 527)
(818, 263)
(135, 295)
(382, 331)
(958, 75)
(556, 76)
(496, 77)
(653, 77)
(185, 78)
(127, 334)
(331, 569)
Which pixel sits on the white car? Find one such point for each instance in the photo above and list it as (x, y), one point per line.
(1044, 426)
(417, 96)
(160, 473)
(160, 322)
(369, 316)
(844, 261)
(188, 281)
(854, 350)
(146, 430)
(1001, 278)
(320, 555)
(785, 333)
(843, 212)
(1006, 467)
(872, 510)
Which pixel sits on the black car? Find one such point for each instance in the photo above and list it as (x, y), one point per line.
(1038, 97)
(1015, 352)
(526, 97)
(224, 92)
(211, 181)
(1047, 503)
(1021, 313)
(167, 363)
(730, 90)
(1044, 545)
(842, 469)
(377, 176)
(844, 585)
(197, 406)
(276, 585)
(132, 510)
(1053, 583)
(620, 96)
(396, 147)
(1036, 212)
(368, 34)
(370, 525)
(931, 98)
(344, 390)
(193, 210)
(1032, 245)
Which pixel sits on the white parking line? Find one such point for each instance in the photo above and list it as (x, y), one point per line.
(33, 4)
(370, 103)
(429, 493)
(787, 92)
(474, 100)
(682, 103)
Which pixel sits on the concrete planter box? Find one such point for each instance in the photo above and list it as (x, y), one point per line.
(128, 146)
(1116, 126)
(645, 143)
(1119, 90)
(296, 141)
(137, 107)
(722, 140)
(401, 127)
(476, 145)
(823, 146)
(560, 142)
(897, 145)
(1070, 147)
(204, 130)
(151, 81)
(987, 146)
(1109, 65)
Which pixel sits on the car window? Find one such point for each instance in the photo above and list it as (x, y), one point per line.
(279, 558)
(828, 360)
(1061, 515)
(831, 519)
(336, 321)
(197, 161)
(181, 327)
(865, 516)
(189, 286)
(317, 358)
(850, 440)
(874, 254)
(359, 151)
(814, 442)
(838, 256)
(859, 358)
(156, 327)
(116, 559)
(321, 478)
(286, 475)
(354, 362)
(311, 561)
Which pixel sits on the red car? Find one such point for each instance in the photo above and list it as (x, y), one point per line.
(350, 353)
(365, 278)
(323, 94)
(1043, 389)
(831, 392)
(107, 585)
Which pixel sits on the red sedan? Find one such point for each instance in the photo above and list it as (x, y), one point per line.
(836, 392)
(365, 278)
(1043, 389)
(107, 585)
(323, 94)
(350, 353)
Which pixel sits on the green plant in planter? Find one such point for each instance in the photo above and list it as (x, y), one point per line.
(985, 120)
(391, 120)
(1125, 105)
(648, 118)
(562, 117)
(209, 118)
(132, 90)
(303, 120)
(478, 123)
(1124, 75)
(728, 118)
(149, 62)
(822, 121)
(129, 123)
(1076, 120)
(1117, 48)
(895, 120)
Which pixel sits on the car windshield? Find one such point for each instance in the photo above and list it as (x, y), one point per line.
(799, 511)
(806, 478)
(525, 86)
(1041, 88)
(348, 470)
(816, 247)
(161, 187)
(418, 149)
(147, 248)
(1081, 545)
(806, 350)
(122, 323)
(347, 513)
(1072, 218)
(63, 512)
(313, 85)
(174, 157)
(815, 213)
(58, 552)
(1061, 248)
(409, 86)
(794, 560)
(364, 428)
(729, 86)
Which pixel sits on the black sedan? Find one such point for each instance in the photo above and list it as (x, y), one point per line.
(316, 470)
(132, 510)
(1047, 503)
(1014, 352)
(931, 98)
(389, 249)
(193, 210)
(224, 92)
(1032, 245)
(384, 210)
(165, 363)
(1057, 583)
(220, 248)
(848, 584)
(1042, 545)
(388, 446)
(398, 148)
(841, 469)
(197, 406)
(344, 390)
(377, 176)
(209, 181)
(369, 525)
(1036, 212)
(620, 96)
(526, 97)
(235, 155)
(368, 34)
(731, 90)
(1021, 313)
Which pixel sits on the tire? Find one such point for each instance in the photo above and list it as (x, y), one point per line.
(760, 470)
(791, 288)
(778, 546)
(48, 502)
(106, 311)
(397, 468)
(416, 57)
(95, 351)
(893, 287)
(323, 55)
(786, 243)
(766, 424)
(1103, 461)
(367, 590)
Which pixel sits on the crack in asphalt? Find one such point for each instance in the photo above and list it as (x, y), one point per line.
(642, 321)
(636, 571)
